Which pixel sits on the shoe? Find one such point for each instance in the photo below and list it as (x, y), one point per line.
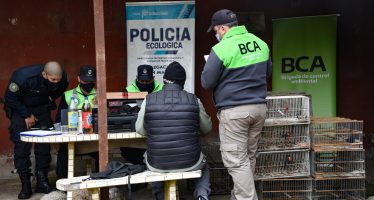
(201, 198)
(26, 191)
(42, 185)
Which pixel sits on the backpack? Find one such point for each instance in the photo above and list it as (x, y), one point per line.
(116, 169)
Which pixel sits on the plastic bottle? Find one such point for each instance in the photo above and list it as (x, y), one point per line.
(87, 117)
(73, 116)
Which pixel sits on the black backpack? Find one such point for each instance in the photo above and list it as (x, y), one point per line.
(116, 169)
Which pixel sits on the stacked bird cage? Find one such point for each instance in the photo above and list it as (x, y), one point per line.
(282, 164)
(284, 142)
(286, 189)
(339, 188)
(283, 160)
(280, 138)
(336, 132)
(285, 110)
(338, 158)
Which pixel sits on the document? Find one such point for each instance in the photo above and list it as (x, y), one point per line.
(40, 133)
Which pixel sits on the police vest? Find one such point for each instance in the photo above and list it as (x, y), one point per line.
(77, 92)
(134, 88)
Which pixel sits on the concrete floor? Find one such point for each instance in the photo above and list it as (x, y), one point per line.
(9, 190)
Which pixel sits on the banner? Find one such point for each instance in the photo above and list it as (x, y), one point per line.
(304, 59)
(159, 33)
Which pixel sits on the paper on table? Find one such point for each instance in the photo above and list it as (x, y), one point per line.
(40, 133)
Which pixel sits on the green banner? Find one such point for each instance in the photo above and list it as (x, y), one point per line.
(304, 59)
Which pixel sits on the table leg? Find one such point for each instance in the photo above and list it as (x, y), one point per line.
(170, 190)
(70, 166)
(95, 193)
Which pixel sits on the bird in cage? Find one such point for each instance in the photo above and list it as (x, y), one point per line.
(289, 164)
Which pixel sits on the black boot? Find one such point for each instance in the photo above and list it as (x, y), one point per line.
(26, 186)
(42, 185)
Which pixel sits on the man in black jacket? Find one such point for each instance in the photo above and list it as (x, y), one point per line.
(172, 119)
(30, 97)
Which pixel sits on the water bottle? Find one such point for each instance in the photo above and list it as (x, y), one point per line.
(73, 116)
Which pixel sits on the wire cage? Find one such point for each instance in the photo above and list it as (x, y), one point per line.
(284, 110)
(213, 154)
(336, 132)
(220, 181)
(284, 137)
(338, 163)
(286, 189)
(347, 188)
(282, 164)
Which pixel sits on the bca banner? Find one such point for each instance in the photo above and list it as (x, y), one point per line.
(159, 33)
(304, 59)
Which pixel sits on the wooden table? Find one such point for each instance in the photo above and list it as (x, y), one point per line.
(89, 143)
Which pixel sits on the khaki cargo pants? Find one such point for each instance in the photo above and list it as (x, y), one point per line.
(239, 130)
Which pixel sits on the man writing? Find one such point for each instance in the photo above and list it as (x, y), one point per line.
(238, 77)
(30, 98)
(85, 88)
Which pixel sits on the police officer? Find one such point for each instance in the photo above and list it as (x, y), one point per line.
(144, 82)
(87, 81)
(30, 97)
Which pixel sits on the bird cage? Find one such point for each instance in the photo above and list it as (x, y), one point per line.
(220, 181)
(285, 110)
(286, 189)
(284, 137)
(336, 133)
(338, 163)
(213, 154)
(282, 164)
(343, 188)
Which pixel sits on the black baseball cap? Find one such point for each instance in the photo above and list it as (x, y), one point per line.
(145, 72)
(222, 17)
(87, 73)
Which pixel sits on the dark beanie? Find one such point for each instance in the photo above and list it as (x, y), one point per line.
(175, 72)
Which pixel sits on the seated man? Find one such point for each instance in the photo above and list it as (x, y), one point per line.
(144, 82)
(85, 88)
(172, 119)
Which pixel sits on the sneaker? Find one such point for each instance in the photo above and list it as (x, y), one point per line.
(201, 198)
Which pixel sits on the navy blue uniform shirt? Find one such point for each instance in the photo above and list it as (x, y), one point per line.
(27, 88)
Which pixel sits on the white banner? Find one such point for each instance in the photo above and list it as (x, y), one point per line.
(159, 33)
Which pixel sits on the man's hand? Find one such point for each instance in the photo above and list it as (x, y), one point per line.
(30, 121)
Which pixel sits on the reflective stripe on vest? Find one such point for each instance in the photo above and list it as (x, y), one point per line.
(79, 96)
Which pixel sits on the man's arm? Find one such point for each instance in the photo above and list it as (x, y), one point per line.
(205, 121)
(13, 96)
(139, 125)
(212, 71)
